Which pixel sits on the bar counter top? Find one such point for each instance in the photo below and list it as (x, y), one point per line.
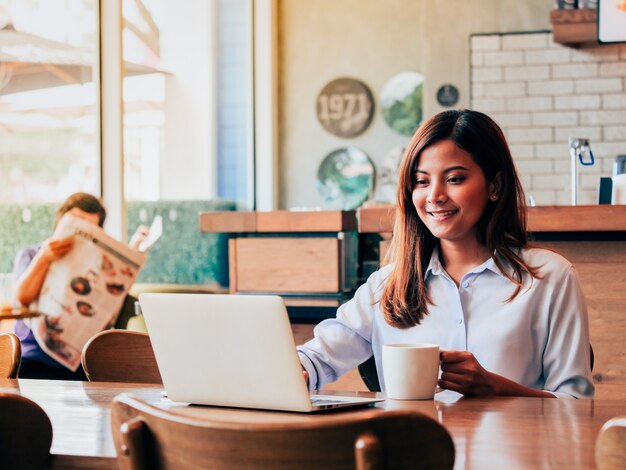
(597, 218)
(278, 221)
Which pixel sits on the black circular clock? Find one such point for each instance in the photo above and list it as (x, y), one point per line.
(447, 95)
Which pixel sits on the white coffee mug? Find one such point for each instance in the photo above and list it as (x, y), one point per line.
(410, 370)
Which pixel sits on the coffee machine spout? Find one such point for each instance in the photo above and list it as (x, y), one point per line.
(580, 152)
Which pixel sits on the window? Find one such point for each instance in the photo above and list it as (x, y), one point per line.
(48, 100)
(187, 128)
(188, 100)
(188, 120)
(48, 114)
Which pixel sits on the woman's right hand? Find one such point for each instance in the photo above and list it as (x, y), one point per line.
(54, 249)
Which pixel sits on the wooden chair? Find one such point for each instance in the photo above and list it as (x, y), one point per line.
(149, 437)
(611, 445)
(120, 356)
(10, 355)
(25, 433)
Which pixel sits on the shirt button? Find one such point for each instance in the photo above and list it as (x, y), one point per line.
(465, 284)
(460, 320)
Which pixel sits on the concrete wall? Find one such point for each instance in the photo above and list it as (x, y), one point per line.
(373, 40)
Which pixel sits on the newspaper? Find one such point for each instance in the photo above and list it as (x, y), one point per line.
(84, 290)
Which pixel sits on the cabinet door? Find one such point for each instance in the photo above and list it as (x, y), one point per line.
(285, 264)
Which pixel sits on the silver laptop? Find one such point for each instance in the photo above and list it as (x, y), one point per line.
(230, 350)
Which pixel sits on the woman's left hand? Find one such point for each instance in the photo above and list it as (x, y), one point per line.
(461, 372)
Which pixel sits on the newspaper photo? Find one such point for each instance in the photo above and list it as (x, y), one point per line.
(83, 291)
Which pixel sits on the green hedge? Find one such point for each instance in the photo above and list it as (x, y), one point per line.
(183, 255)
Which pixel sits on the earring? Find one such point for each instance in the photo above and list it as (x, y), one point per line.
(493, 197)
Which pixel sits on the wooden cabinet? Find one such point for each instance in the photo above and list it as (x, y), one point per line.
(310, 258)
(285, 265)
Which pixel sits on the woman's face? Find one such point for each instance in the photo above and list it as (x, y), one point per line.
(87, 216)
(451, 192)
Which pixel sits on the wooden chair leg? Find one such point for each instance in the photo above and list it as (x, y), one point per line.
(368, 452)
(136, 445)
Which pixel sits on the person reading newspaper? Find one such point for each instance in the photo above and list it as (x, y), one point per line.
(31, 268)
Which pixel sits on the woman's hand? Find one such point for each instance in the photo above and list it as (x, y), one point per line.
(53, 249)
(461, 372)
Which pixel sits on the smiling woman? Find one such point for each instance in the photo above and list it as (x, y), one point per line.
(509, 319)
(451, 194)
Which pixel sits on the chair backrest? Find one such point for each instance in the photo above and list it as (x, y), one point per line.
(25, 433)
(120, 356)
(369, 375)
(611, 445)
(10, 355)
(149, 437)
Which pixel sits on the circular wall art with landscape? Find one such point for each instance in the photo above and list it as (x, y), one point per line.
(345, 178)
(401, 102)
(345, 107)
(388, 171)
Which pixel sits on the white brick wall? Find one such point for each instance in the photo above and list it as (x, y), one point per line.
(541, 93)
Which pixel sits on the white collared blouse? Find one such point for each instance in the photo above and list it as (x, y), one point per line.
(540, 339)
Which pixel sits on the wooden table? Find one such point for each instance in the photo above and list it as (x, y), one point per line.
(487, 432)
(80, 416)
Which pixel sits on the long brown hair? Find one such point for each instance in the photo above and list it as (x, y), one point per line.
(502, 227)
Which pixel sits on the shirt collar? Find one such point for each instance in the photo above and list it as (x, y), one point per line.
(435, 268)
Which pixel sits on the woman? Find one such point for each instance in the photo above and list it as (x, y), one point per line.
(30, 269)
(510, 319)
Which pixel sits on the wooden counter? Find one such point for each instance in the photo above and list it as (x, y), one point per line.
(598, 218)
(278, 221)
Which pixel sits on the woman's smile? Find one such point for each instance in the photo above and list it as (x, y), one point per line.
(443, 214)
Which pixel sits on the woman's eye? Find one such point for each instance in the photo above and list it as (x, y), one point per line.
(456, 179)
(421, 182)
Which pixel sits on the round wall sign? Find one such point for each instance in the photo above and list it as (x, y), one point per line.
(345, 107)
(345, 178)
(447, 95)
(401, 102)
